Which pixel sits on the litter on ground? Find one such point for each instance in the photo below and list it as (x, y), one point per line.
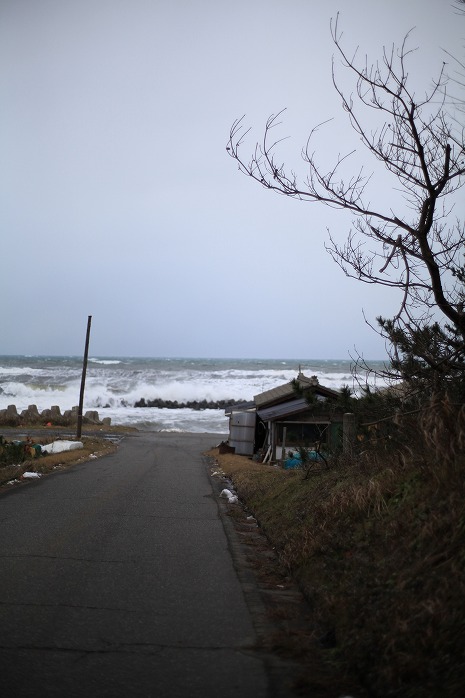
(227, 494)
(60, 446)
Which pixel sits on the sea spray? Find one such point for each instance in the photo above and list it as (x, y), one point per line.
(116, 384)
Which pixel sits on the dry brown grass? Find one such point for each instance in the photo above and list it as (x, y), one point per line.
(93, 447)
(377, 544)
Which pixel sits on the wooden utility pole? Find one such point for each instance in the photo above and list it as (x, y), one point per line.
(83, 379)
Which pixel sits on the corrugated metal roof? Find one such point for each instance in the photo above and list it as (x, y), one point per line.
(274, 394)
(239, 407)
(284, 409)
(282, 392)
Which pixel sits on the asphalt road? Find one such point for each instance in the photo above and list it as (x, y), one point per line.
(116, 579)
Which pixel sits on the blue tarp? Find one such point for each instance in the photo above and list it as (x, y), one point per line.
(296, 461)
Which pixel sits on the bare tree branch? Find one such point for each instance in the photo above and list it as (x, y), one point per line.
(416, 250)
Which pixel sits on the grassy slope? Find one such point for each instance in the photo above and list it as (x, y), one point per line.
(378, 550)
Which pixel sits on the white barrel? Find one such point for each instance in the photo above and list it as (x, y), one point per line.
(242, 432)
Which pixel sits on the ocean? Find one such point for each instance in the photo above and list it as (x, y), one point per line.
(115, 384)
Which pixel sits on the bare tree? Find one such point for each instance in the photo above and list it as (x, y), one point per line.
(456, 76)
(418, 250)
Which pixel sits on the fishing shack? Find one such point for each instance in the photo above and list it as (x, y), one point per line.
(299, 413)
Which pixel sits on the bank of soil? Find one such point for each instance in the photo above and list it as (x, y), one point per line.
(298, 645)
(376, 547)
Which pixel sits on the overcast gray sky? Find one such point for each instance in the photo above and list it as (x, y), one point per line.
(118, 199)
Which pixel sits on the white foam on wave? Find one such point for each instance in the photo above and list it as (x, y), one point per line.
(127, 388)
(113, 386)
(44, 396)
(105, 362)
(12, 371)
(122, 391)
(178, 420)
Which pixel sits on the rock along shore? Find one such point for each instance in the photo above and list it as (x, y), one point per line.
(10, 417)
(191, 404)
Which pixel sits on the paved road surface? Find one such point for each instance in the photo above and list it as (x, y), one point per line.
(116, 580)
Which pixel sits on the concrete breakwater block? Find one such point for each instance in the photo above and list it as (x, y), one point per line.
(32, 416)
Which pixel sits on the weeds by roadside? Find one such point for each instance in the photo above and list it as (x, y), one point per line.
(12, 472)
(377, 544)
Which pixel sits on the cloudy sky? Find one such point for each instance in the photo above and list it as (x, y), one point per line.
(118, 199)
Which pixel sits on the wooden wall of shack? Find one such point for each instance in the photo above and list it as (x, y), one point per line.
(327, 431)
(280, 412)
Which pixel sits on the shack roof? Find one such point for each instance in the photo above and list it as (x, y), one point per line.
(283, 410)
(286, 392)
(239, 407)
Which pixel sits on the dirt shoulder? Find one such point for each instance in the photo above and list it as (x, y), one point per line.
(97, 442)
(290, 630)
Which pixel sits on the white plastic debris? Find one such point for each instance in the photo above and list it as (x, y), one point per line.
(31, 475)
(227, 494)
(60, 446)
